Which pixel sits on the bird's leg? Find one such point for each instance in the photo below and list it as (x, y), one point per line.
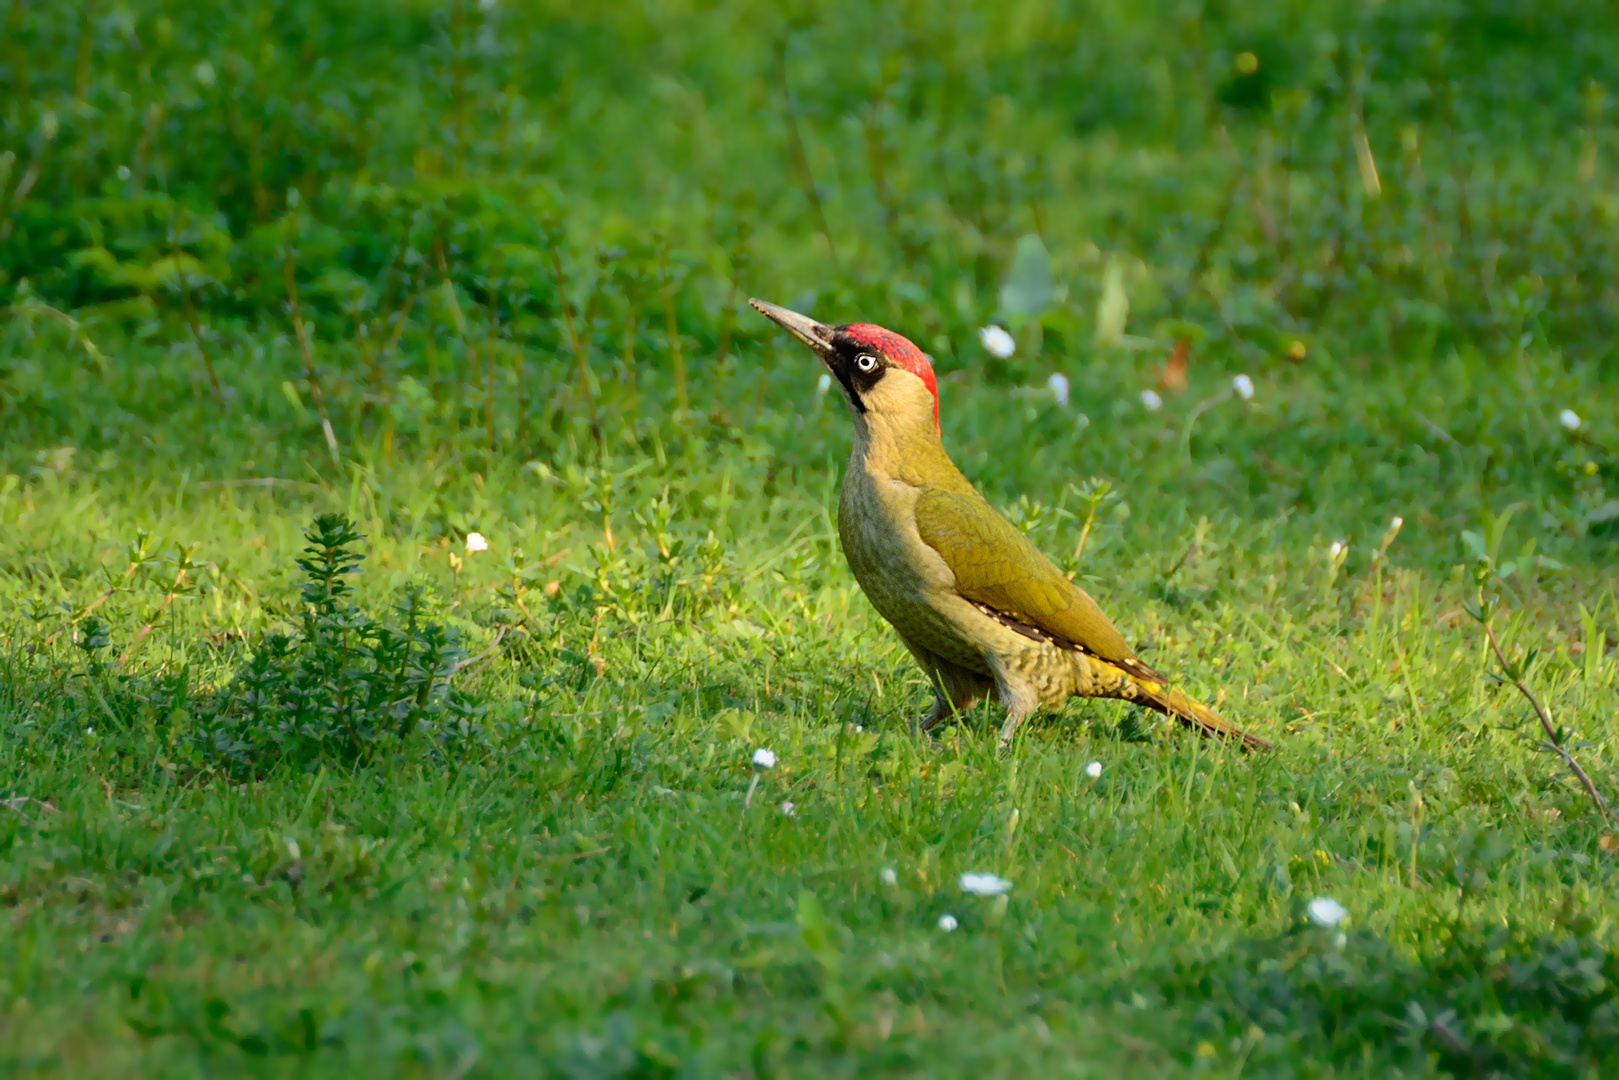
(955, 689)
(1014, 717)
(1017, 695)
(941, 698)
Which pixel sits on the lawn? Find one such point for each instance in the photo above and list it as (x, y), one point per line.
(411, 537)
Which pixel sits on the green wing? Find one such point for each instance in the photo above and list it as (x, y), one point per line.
(996, 567)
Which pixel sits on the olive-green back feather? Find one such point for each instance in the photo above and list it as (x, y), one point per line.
(996, 566)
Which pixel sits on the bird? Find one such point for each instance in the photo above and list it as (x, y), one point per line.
(981, 609)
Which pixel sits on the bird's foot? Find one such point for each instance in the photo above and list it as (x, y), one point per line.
(1008, 729)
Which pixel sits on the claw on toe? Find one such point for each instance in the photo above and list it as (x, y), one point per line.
(1009, 729)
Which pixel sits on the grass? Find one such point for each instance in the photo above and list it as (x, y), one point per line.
(525, 323)
(580, 884)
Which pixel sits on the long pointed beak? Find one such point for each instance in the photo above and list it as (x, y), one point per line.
(817, 336)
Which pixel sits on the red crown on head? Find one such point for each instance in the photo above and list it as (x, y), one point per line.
(899, 350)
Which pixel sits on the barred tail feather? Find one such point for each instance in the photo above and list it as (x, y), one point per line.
(1195, 714)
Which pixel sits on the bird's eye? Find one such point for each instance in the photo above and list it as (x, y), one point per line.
(866, 362)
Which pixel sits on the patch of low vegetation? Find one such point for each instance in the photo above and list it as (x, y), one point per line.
(344, 686)
(1491, 1000)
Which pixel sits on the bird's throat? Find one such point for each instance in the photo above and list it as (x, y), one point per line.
(903, 448)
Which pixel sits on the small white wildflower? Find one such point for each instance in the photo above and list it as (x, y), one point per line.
(1058, 385)
(1093, 770)
(1325, 911)
(1570, 420)
(293, 849)
(984, 884)
(204, 71)
(787, 808)
(1337, 550)
(888, 877)
(1244, 387)
(997, 342)
(1340, 939)
(1151, 401)
(824, 385)
(89, 731)
(1396, 522)
(476, 542)
(947, 923)
(762, 759)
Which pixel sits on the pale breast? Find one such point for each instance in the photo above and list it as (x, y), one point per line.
(905, 580)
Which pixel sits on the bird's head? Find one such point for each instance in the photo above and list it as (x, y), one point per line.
(879, 372)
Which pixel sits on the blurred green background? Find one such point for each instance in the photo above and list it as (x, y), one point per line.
(1385, 182)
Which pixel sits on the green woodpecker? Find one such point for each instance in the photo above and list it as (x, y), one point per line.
(978, 605)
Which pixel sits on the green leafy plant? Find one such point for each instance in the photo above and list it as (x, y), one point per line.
(1514, 670)
(344, 686)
